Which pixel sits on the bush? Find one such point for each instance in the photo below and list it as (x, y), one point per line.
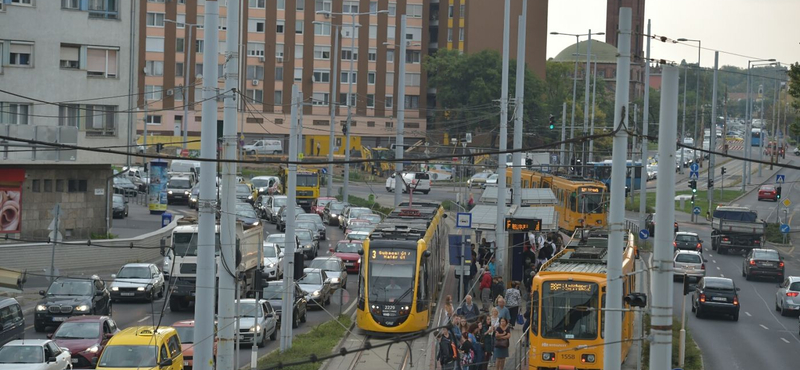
(773, 234)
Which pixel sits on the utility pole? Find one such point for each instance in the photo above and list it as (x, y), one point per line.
(613, 349)
(54, 239)
(747, 129)
(401, 117)
(291, 242)
(661, 280)
(563, 152)
(645, 130)
(764, 133)
(712, 141)
(346, 182)
(186, 69)
(519, 95)
(574, 96)
(697, 99)
(227, 229)
(206, 274)
(500, 241)
(683, 125)
(594, 95)
(335, 55)
(586, 102)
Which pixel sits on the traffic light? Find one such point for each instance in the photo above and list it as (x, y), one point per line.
(778, 191)
(552, 122)
(159, 147)
(692, 199)
(693, 185)
(344, 128)
(710, 183)
(528, 162)
(723, 170)
(636, 299)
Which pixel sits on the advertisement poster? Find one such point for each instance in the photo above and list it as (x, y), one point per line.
(157, 191)
(10, 210)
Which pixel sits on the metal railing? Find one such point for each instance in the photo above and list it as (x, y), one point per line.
(521, 351)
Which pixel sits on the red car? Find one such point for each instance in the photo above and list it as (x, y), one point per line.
(185, 330)
(348, 250)
(86, 337)
(767, 192)
(317, 205)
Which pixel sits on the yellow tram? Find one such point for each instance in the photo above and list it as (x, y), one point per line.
(402, 266)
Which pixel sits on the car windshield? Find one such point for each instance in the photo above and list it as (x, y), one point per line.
(688, 258)
(179, 184)
(77, 330)
(362, 228)
(119, 201)
(357, 212)
(481, 175)
(686, 238)
(242, 189)
(304, 235)
(326, 264)
(767, 188)
(240, 206)
(185, 244)
(131, 272)
(570, 310)
(767, 255)
(346, 247)
(323, 202)
(247, 213)
(269, 251)
(185, 334)
(278, 202)
(391, 275)
(129, 356)
(372, 218)
(307, 180)
(260, 183)
(122, 181)
(275, 238)
(357, 235)
(248, 309)
(21, 355)
(71, 287)
(305, 225)
(274, 290)
(311, 277)
(310, 217)
(336, 207)
(492, 177)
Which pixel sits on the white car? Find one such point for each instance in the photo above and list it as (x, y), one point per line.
(273, 256)
(491, 180)
(357, 235)
(259, 320)
(417, 181)
(34, 354)
(688, 263)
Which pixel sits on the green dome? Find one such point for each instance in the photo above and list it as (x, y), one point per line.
(606, 53)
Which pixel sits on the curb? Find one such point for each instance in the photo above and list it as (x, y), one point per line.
(338, 346)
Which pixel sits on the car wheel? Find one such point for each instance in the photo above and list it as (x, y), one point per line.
(736, 316)
(426, 192)
(777, 308)
(295, 320)
(697, 312)
(743, 273)
(161, 292)
(693, 309)
(328, 301)
(263, 341)
(784, 312)
(274, 335)
(303, 318)
(747, 277)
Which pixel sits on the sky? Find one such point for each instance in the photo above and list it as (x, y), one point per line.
(758, 29)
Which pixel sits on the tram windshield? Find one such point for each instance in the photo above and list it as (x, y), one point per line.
(570, 310)
(591, 203)
(391, 275)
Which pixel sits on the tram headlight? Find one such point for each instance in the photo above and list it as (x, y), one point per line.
(548, 356)
(588, 358)
(375, 309)
(404, 310)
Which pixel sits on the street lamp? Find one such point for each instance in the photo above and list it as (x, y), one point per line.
(186, 69)
(697, 92)
(748, 126)
(334, 74)
(575, 82)
(345, 192)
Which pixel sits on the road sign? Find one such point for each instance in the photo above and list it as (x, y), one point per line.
(324, 170)
(694, 167)
(696, 210)
(464, 220)
(787, 202)
(785, 228)
(644, 234)
(694, 175)
(780, 179)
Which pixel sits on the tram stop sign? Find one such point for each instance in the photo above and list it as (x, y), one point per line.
(644, 234)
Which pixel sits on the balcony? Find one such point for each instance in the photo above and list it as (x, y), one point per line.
(102, 14)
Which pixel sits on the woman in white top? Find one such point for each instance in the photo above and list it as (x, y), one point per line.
(495, 317)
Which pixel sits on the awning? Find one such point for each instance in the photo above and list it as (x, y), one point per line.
(484, 216)
(529, 196)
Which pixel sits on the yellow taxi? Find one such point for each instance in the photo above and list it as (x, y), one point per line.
(143, 347)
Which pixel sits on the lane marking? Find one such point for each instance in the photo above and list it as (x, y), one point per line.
(765, 328)
(712, 256)
(29, 327)
(715, 261)
(143, 318)
(721, 275)
(717, 267)
(748, 314)
(784, 339)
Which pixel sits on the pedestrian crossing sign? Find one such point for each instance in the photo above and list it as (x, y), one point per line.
(780, 179)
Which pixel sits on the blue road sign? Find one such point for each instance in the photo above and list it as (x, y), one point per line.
(464, 220)
(696, 210)
(694, 167)
(780, 179)
(324, 170)
(785, 228)
(694, 175)
(644, 234)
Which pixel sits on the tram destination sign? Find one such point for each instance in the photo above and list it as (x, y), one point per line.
(523, 225)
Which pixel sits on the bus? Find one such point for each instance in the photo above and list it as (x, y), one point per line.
(581, 202)
(755, 136)
(568, 297)
(601, 171)
(307, 185)
(403, 263)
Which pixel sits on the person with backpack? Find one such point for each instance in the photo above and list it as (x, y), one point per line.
(448, 353)
(466, 353)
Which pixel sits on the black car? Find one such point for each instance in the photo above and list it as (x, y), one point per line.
(125, 187)
(650, 221)
(68, 297)
(119, 206)
(688, 242)
(194, 195)
(282, 217)
(273, 292)
(331, 212)
(763, 263)
(247, 215)
(12, 322)
(716, 295)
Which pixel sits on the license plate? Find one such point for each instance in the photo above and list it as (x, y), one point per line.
(74, 360)
(769, 265)
(60, 318)
(186, 363)
(719, 299)
(126, 294)
(349, 264)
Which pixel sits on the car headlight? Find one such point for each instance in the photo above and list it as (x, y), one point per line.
(41, 308)
(141, 289)
(82, 308)
(169, 192)
(334, 215)
(93, 349)
(334, 280)
(271, 265)
(255, 328)
(315, 294)
(255, 223)
(359, 261)
(249, 197)
(194, 199)
(186, 192)
(114, 289)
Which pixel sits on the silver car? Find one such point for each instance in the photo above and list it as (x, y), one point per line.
(273, 256)
(258, 321)
(334, 267)
(137, 281)
(318, 225)
(272, 206)
(317, 286)
(689, 263)
(787, 298)
(307, 242)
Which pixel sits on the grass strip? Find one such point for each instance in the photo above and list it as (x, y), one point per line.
(701, 200)
(693, 360)
(320, 341)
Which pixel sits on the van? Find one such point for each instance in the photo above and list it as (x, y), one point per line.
(12, 323)
(418, 181)
(265, 146)
(185, 166)
(143, 347)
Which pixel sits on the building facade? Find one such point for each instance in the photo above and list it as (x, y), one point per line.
(637, 24)
(606, 57)
(64, 78)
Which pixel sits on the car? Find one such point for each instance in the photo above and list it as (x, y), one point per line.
(357, 235)
(763, 263)
(348, 250)
(331, 212)
(34, 354)
(318, 205)
(478, 179)
(307, 243)
(119, 206)
(178, 189)
(247, 215)
(334, 268)
(352, 213)
(372, 218)
(687, 241)
(360, 228)
(689, 264)
(245, 193)
(358, 222)
(768, 192)
(271, 208)
(716, 295)
(490, 181)
(266, 184)
(273, 256)
(650, 221)
(281, 223)
(185, 329)
(194, 195)
(85, 337)
(143, 347)
(258, 321)
(12, 322)
(67, 297)
(787, 298)
(415, 181)
(318, 225)
(316, 286)
(273, 293)
(125, 187)
(137, 281)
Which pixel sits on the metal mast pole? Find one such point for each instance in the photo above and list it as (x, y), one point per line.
(712, 141)
(594, 95)
(645, 130)
(747, 129)
(764, 134)
(574, 96)
(346, 190)
(519, 95)
(227, 264)
(335, 55)
(586, 102)
(206, 274)
(186, 69)
(661, 283)
(697, 98)
(683, 125)
(613, 349)
(563, 153)
(291, 243)
(500, 241)
(401, 117)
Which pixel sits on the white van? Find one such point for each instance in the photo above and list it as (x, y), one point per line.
(418, 181)
(265, 146)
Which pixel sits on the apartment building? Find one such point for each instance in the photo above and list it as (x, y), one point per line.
(287, 42)
(64, 78)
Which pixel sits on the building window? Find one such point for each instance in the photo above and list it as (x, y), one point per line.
(412, 125)
(255, 49)
(343, 99)
(101, 120)
(201, 20)
(370, 123)
(414, 10)
(68, 115)
(412, 102)
(153, 68)
(223, 23)
(280, 25)
(322, 29)
(48, 186)
(345, 77)
(320, 98)
(460, 34)
(390, 32)
(198, 97)
(414, 34)
(350, 54)
(449, 35)
(450, 11)
(153, 120)
(35, 186)
(389, 124)
(390, 56)
(318, 122)
(69, 4)
(278, 101)
(372, 55)
(256, 95)
(322, 52)
(322, 76)
(152, 92)
(278, 73)
(281, 4)
(322, 5)
(103, 9)
(413, 56)
(373, 6)
(389, 101)
(103, 62)
(370, 100)
(179, 69)
(392, 9)
(15, 113)
(373, 31)
(350, 7)
(199, 46)
(255, 72)
(180, 20)
(180, 44)
(279, 50)
(300, 5)
(299, 26)
(298, 51)
(256, 25)
(258, 4)
(461, 10)
(60, 185)
(20, 54)
(412, 79)
(70, 56)
(177, 93)
(155, 45)
(155, 19)
(389, 78)
(371, 77)
(349, 32)
(298, 74)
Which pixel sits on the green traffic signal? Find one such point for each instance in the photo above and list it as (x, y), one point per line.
(552, 126)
